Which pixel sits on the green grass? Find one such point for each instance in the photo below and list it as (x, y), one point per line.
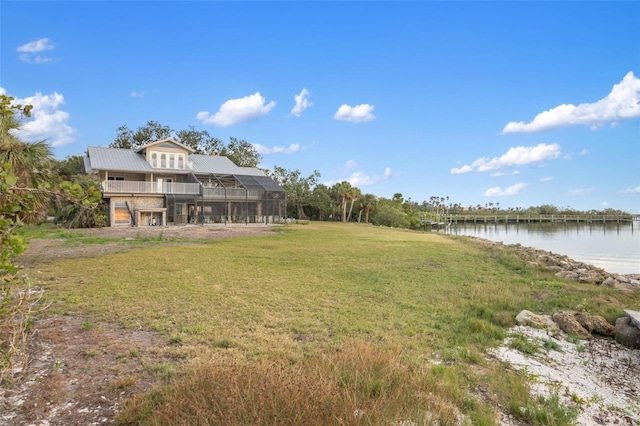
(307, 294)
(521, 343)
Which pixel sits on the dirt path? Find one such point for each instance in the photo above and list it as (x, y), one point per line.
(51, 250)
(79, 372)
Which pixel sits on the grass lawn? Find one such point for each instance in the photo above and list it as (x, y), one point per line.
(327, 324)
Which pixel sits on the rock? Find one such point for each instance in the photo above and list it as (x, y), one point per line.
(590, 277)
(610, 282)
(537, 321)
(531, 264)
(626, 334)
(569, 324)
(595, 324)
(634, 317)
(568, 275)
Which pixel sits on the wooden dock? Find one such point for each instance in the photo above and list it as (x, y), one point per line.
(542, 218)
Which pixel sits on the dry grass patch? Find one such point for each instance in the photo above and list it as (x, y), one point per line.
(358, 383)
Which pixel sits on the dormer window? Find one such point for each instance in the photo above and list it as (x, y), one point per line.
(168, 160)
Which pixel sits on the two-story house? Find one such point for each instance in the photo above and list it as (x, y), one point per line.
(165, 183)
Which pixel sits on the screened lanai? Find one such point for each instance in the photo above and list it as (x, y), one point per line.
(229, 199)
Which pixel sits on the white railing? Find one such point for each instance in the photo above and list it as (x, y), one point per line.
(235, 194)
(137, 187)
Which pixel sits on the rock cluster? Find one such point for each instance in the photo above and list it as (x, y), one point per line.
(585, 326)
(580, 324)
(568, 268)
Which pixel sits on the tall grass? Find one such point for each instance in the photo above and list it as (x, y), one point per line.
(358, 384)
(326, 324)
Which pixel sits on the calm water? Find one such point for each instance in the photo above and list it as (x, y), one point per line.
(616, 248)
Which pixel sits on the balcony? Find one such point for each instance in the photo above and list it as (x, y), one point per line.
(136, 187)
(231, 194)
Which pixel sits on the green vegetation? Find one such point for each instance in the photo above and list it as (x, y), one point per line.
(521, 343)
(325, 323)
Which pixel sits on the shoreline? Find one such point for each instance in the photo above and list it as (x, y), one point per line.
(565, 266)
(617, 251)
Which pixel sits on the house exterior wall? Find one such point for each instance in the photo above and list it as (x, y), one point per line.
(134, 202)
(167, 149)
(127, 176)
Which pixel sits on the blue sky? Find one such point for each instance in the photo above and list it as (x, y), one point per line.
(517, 103)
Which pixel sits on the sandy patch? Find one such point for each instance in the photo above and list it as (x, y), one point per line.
(600, 377)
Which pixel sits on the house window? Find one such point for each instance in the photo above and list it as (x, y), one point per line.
(154, 160)
(180, 162)
(172, 161)
(163, 161)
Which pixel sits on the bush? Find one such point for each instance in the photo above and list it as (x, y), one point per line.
(390, 216)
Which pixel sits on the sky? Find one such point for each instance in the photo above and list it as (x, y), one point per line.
(512, 103)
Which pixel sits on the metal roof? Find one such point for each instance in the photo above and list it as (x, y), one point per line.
(214, 164)
(116, 159)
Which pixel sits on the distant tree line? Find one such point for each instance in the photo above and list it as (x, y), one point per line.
(308, 199)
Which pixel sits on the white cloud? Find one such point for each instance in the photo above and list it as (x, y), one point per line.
(35, 59)
(357, 114)
(302, 102)
(236, 111)
(496, 191)
(261, 149)
(39, 45)
(496, 174)
(361, 179)
(350, 164)
(584, 152)
(47, 121)
(581, 191)
(29, 51)
(546, 179)
(136, 94)
(517, 156)
(622, 103)
(635, 190)
(460, 170)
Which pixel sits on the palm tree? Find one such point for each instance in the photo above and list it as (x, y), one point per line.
(353, 196)
(342, 191)
(30, 162)
(368, 204)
